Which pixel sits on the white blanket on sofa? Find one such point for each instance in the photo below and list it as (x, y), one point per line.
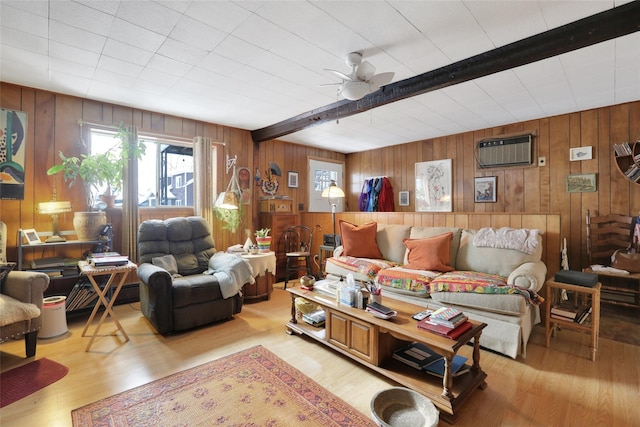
(232, 272)
(520, 239)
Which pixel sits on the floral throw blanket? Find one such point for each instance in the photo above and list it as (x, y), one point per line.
(482, 283)
(366, 266)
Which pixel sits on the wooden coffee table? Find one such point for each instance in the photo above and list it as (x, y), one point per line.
(370, 341)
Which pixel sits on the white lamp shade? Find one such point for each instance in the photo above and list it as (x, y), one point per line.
(54, 207)
(332, 192)
(227, 200)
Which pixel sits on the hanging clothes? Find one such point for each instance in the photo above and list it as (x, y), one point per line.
(386, 197)
(376, 186)
(363, 200)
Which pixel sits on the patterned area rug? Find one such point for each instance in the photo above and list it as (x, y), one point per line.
(250, 388)
(24, 380)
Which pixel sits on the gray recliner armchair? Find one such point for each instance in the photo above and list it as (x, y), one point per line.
(174, 294)
(21, 302)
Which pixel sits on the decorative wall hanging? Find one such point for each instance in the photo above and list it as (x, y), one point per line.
(581, 183)
(13, 131)
(433, 186)
(484, 189)
(244, 180)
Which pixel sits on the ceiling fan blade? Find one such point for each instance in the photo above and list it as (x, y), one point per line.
(338, 74)
(365, 71)
(380, 80)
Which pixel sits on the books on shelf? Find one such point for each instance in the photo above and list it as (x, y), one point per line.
(564, 312)
(447, 313)
(420, 356)
(315, 318)
(416, 355)
(458, 366)
(623, 149)
(47, 263)
(459, 320)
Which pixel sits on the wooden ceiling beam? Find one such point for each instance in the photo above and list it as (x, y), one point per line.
(607, 25)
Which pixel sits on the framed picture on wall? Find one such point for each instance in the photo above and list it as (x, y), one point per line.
(580, 153)
(484, 189)
(403, 198)
(292, 179)
(433, 186)
(581, 183)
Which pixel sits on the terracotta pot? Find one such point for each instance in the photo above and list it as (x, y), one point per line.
(109, 199)
(264, 243)
(89, 224)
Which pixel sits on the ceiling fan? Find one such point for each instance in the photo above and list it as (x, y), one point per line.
(362, 79)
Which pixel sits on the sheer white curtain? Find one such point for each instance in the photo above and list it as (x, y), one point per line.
(204, 151)
(130, 218)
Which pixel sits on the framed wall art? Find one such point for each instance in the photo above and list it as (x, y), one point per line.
(581, 183)
(484, 189)
(403, 198)
(13, 135)
(244, 180)
(292, 179)
(433, 186)
(580, 153)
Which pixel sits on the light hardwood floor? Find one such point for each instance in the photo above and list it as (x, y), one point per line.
(558, 386)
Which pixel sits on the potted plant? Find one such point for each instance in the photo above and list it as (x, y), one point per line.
(263, 239)
(232, 218)
(97, 171)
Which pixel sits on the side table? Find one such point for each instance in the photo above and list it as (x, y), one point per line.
(264, 270)
(553, 291)
(113, 272)
(326, 251)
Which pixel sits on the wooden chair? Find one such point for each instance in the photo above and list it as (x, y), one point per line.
(605, 235)
(297, 245)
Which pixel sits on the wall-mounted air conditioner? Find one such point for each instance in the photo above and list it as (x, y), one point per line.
(511, 151)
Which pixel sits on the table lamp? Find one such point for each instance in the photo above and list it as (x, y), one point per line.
(54, 208)
(333, 192)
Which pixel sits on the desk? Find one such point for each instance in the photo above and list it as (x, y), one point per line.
(326, 251)
(263, 265)
(113, 273)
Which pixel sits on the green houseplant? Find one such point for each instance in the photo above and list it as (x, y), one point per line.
(99, 170)
(263, 239)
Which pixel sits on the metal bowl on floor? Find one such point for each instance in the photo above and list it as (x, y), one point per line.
(403, 407)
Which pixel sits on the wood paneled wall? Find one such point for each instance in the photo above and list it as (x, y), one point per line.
(530, 189)
(53, 127)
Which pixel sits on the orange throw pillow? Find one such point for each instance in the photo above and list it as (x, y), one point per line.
(360, 241)
(433, 253)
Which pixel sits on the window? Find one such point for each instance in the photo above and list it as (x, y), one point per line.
(165, 172)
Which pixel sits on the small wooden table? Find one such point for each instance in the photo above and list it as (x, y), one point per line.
(552, 323)
(113, 273)
(371, 341)
(264, 270)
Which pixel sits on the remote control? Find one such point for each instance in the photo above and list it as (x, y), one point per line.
(422, 314)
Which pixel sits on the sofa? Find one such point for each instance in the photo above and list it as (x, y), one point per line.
(182, 285)
(495, 281)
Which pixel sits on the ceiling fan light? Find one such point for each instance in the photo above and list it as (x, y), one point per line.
(353, 90)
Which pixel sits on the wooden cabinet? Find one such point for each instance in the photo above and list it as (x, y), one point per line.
(628, 160)
(278, 223)
(356, 337)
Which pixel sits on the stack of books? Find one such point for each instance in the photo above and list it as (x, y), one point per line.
(56, 266)
(569, 313)
(446, 321)
(420, 356)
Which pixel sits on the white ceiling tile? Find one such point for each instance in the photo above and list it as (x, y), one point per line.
(21, 40)
(126, 53)
(182, 52)
(113, 65)
(81, 16)
(197, 34)
(24, 21)
(225, 16)
(76, 37)
(168, 65)
(71, 69)
(150, 15)
(135, 35)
